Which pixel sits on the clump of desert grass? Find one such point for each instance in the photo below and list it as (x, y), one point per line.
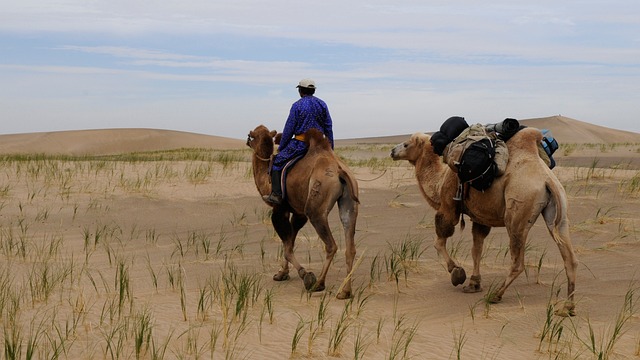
(571, 336)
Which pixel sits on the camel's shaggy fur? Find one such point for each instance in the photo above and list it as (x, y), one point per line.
(314, 185)
(515, 200)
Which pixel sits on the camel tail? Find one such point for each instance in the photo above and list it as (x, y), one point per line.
(350, 181)
(555, 213)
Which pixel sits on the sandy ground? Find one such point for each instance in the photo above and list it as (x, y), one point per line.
(174, 260)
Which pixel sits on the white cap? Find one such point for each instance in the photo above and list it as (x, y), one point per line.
(307, 83)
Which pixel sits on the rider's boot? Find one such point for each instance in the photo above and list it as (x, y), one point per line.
(275, 197)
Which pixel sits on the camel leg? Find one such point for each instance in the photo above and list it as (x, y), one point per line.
(479, 233)
(520, 216)
(348, 215)
(280, 221)
(321, 224)
(287, 230)
(560, 235)
(445, 229)
(570, 267)
(517, 240)
(297, 222)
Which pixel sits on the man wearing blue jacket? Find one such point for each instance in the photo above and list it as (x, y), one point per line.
(306, 113)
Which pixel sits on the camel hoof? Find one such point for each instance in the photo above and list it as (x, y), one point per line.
(458, 276)
(344, 295)
(309, 280)
(472, 288)
(474, 285)
(281, 276)
(566, 311)
(494, 299)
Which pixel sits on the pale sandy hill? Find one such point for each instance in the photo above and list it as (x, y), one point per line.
(566, 130)
(111, 141)
(570, 131)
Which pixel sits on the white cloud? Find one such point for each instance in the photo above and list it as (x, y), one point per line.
(127, 52)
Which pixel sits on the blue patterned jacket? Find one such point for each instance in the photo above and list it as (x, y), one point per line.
(306, 113)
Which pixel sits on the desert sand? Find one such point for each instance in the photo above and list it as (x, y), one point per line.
(174, 258)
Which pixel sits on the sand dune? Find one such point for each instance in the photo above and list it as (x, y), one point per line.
(572, 131)
(113, 141)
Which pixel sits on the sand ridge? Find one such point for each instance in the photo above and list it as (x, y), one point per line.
(111, 141)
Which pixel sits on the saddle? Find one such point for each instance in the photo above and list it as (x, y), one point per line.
(285, 171)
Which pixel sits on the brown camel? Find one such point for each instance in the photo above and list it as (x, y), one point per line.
(515, 200)
(314, 185)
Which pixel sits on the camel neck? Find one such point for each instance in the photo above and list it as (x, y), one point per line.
(261, 174)
(429, 173)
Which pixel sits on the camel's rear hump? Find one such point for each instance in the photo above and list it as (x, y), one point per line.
(526, 139)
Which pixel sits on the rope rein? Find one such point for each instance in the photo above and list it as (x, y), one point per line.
(261, 158)
(375, 178)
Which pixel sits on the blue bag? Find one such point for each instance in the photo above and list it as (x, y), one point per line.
(550, 145)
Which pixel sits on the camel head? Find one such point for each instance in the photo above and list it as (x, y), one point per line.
(412, 149)
(261, 139)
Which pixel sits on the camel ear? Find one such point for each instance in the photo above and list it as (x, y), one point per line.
(415, 139)
(277, 138)
(273, 133)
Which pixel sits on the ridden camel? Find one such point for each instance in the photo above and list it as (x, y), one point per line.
(314, 185)
(515, 200)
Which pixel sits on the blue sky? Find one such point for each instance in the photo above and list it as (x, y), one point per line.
(222, 67)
